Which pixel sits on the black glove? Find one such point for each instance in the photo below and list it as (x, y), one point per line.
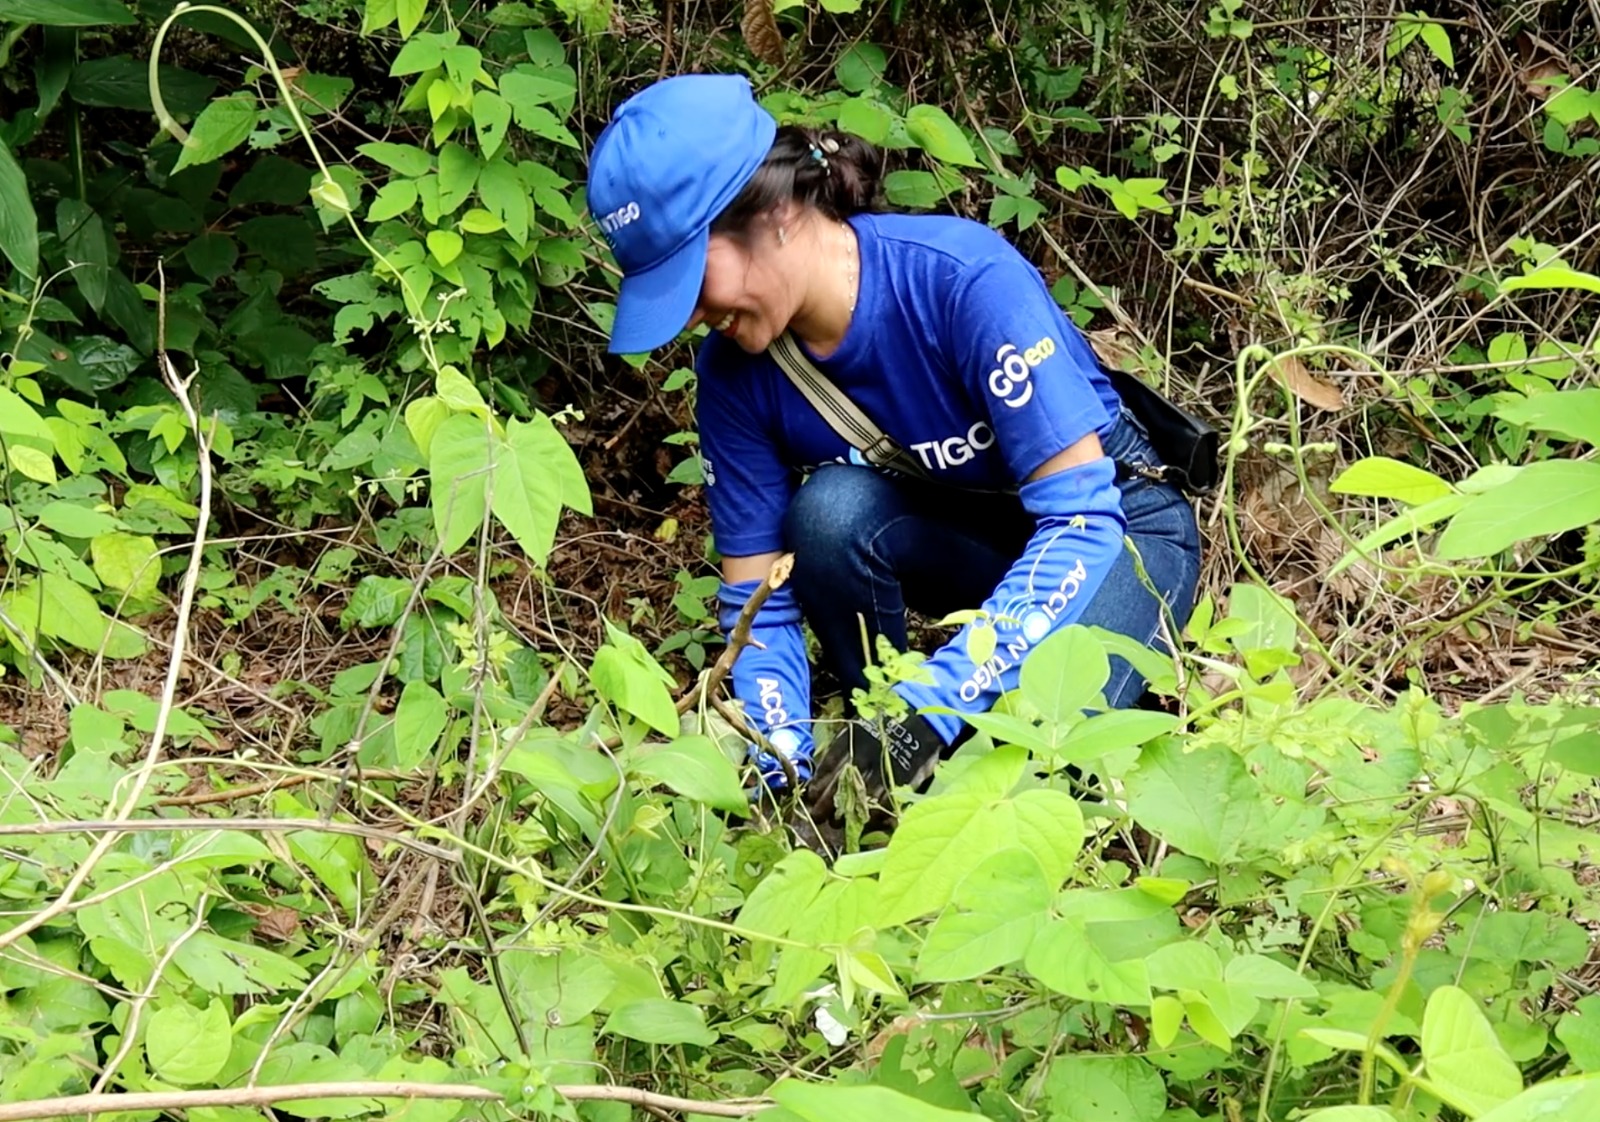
(908, 748)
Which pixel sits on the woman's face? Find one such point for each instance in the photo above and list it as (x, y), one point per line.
(749, 294)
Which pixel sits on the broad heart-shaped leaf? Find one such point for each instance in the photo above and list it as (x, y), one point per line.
(128, 563)
(1205, 803)
(1384, 478)
(1087, 1088)
(1267, 978)
(939, 136)
(418, 720)
(19, 224)
(1465, 1063)
(1065, 673)
(697, 769)
(1000, 907)
(633, 684)
(835, 1102)
(657, 1021)
(186, 1045)
(1557, 1100)
(1112, 731)
(221, 127)
(784, 895)
(1066, 959)
(534, 475)
(1549, 497)
(1574, 414)
(66, 13)
(1579, 1031)
(458, 465)
(942, 839)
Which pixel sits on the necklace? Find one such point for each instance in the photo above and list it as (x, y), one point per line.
(852, 265)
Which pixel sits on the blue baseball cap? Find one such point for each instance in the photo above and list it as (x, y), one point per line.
(672, 158)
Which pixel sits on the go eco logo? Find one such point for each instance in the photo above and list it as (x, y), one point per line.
(1015, 366)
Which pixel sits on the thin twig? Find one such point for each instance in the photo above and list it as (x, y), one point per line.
(247, 825)
(286, 1092)
(268, 786)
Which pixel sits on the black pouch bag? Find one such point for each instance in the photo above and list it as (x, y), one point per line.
(1186, 444)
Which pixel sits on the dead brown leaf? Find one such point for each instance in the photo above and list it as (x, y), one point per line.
(275, 922)
(1543, 79)
(761, 32)
(1306, 385)
(1117, 349)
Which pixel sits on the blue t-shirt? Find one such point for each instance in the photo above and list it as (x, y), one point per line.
(956, 349)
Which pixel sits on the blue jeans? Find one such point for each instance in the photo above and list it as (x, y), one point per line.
(868, 546)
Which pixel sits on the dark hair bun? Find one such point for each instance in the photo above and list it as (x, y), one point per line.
(838, 173)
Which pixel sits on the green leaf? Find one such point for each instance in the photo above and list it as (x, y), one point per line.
(129, 563)
(1466, 1065)
(407, 159)
(1001, 905)
(19, 224)
(1579, 1032)
(458, 174)
(1437, 40)
(1350, 1114)
(657, 1021)
(917, 190)
(1064, 674)
(625, 675)
(393, 199)
(1068, 961)
(1555, 1100)
(221, 127)
(1267, 978)
(66, 13)
(939, 136)
(445, 245)
(1383, 478)
(1552, 276)
(865, 118)
(1205, 803)
(941, 840)
(83, 236)
(376, 602)
(409, 13)
(1574, 414)
(504, 196)
(1112, 731)
(491, 116)
(418, 720)
(76, 521)
(1549, 497)
(528, 488)
(697, 769)
(458, 473)
(836, 1102)
(861, 67)
(784, 895)
(1105, 1089)
(186, 1045)
(212, 256)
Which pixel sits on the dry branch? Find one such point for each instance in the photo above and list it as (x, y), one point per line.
(266, 1096)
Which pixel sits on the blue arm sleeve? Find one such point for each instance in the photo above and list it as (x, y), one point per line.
(1077, 540)
(772, 680)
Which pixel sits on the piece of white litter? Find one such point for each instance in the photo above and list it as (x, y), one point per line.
(832, 1031)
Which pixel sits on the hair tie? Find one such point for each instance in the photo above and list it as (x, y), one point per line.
(816, 154)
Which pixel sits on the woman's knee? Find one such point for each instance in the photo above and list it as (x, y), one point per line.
(838, 510)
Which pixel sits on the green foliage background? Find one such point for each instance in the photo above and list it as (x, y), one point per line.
(361, 722)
